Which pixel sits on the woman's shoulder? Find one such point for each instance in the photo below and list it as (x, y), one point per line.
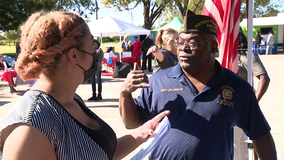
(33, 107)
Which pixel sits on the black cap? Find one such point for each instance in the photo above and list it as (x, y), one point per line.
(198, 23)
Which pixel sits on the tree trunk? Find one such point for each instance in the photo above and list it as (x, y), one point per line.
(146, 14)
(156, 11)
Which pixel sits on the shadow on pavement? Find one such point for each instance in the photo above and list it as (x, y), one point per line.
(20, 93)
(103, 100)
(102, 106)
(2, 103)
(113, 80)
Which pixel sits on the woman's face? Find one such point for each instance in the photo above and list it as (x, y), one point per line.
(1, 58)
(87, 59)
(170, 45)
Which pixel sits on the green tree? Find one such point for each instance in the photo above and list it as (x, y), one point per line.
(262, 8)
(2, 37)
(14, 12)
(151, 12)
(179, 7)
(12, 35)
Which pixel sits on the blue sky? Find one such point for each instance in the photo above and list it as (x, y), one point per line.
(137, 14)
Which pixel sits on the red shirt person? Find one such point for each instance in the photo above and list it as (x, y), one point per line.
(136, 50)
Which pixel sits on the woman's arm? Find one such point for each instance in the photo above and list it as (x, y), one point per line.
(156, 52)
(128, 143)
(23, 141)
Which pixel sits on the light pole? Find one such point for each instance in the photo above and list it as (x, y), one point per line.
(96, 9)
(131, 12)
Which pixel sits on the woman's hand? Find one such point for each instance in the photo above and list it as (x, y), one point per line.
(128, 143)
(153, 49)
(156, 52)
(145, 131)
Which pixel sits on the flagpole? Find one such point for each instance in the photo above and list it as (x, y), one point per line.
(120, 47)
(250, 35)
(249, 56)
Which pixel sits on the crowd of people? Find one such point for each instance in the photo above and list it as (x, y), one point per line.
(260, 40)
(203, 101)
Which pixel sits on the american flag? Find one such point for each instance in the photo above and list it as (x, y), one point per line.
(227, 15)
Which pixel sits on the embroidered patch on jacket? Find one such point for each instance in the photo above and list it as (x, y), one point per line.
(227, 95)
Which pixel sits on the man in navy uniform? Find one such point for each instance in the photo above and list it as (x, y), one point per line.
(206, 101)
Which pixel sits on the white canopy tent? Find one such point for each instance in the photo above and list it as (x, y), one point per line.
(109, 26)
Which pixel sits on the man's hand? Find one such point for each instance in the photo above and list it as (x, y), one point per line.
(134, 80)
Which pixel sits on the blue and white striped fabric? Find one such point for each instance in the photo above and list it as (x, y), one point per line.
(68, 139)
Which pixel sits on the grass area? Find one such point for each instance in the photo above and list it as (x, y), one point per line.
(116, 48)
(8, 50)
(11, 50)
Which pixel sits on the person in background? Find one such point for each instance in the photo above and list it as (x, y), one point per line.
(146, 44)
(5, 66)
(110, 51)
(258, 41)
(166, 56)
(206, 101)
(50, 121)
(18, 50)
(259, 71)
(137, 50)
(100, 56)
(263, 42)
(130, 47)
(269, 43)
(124, 44)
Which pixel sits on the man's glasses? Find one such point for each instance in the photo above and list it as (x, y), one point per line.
(192, 44)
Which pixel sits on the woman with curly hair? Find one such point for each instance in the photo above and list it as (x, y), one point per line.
(51, 121)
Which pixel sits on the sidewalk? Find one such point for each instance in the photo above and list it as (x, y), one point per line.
(271, 104)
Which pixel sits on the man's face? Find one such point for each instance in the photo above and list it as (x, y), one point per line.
(197, 52)
(95, 45)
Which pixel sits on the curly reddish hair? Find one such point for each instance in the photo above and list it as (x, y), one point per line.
(45, 36)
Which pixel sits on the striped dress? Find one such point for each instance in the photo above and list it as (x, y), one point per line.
(70, 139)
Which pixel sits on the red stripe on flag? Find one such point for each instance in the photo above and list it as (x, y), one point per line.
(227, 15)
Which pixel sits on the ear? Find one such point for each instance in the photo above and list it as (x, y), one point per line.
(72, 55)
(214, 47)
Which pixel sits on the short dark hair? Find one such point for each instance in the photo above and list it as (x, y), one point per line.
(135, 37)
(96, 41)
